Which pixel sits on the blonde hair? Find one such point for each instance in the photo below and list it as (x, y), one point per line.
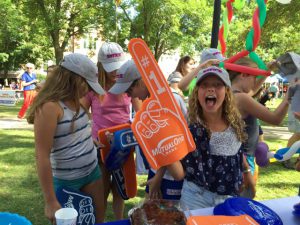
(229, 113)
(245, 61)
(61, 85)
(102, 79)
(102, 75)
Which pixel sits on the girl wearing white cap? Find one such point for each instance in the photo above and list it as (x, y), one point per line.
(213, 172)
(109, 110)
(65, 152)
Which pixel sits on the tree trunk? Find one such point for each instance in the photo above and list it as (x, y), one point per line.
(59, 53)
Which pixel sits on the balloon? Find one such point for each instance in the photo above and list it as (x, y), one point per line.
(287, 153)
(237, 56)
(246, 69)
(284, 1)
(261, 154)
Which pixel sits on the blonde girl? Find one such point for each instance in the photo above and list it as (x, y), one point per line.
(65, 153)
(213, 172)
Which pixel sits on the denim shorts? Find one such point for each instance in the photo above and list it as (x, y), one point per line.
(251, 162)
(196, 197)
(77, 184)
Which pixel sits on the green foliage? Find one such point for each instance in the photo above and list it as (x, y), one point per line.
(61, 20)
(164, 25)
(39, 30)
(20, 41)
(280, 33)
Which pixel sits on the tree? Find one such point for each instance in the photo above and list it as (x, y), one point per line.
(20, 41)
(164, 25)
(65, 19)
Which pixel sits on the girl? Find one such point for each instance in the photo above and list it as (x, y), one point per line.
(184, 67)
(242, 86)
(209, 57)
(65, 152)
(109, 110)
(213, 172)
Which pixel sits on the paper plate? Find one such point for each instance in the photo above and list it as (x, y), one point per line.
(13, 219)
(240, 206)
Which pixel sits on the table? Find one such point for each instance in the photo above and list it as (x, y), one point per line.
(282, 206)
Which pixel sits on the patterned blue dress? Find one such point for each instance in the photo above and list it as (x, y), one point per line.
(216, 164)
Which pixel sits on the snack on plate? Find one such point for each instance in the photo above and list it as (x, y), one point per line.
(157, 212)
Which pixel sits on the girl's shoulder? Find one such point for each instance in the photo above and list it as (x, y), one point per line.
(53, 108)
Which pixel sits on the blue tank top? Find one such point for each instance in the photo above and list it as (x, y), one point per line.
(252, 131)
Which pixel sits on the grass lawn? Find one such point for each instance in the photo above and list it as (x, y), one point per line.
(10, 111)
(20, 191)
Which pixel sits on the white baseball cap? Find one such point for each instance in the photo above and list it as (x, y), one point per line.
(112, 56)
(211, 53)
(214, 70)
(29, 65)
(84, 67)
(125, 77)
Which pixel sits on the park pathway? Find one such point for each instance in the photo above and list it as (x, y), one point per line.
(14, 123)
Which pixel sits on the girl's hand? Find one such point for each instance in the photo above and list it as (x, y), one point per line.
(50, 209)
(109, 136)
(154, 188)
(209, 63)
(98, 144)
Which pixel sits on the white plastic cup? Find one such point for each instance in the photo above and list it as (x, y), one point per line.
(66, 216)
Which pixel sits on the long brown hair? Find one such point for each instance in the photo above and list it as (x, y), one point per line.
(182, 62)
(61, 85)
(229, 113)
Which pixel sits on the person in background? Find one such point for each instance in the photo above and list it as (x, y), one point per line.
(29, 82)
(185, 66)
(209, 57)
(293, 122)
(244, 86)
(273, 89)
(13, 86)
(109, 110)
(65, 152)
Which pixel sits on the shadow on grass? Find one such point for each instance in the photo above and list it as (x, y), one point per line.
(11, 140)
(281, 185)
